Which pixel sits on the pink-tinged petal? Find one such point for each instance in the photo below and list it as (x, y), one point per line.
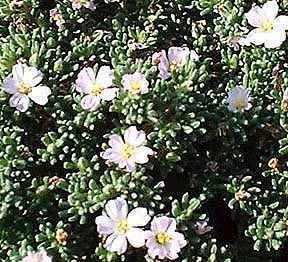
(116, 141)
(257, 36)
(270, 9)
(172, 250)
(194, 56)
(108, 94)
(10, 85)
(20, 101)
(179, 238)
(163, 224)
(163, 66)
(134, 137)
(39, 94)
(39, 256)
(126, 81)
(105, 225)
(32, 76)
(255, 16)
(117, 209)
(90, 102)
(105, 76)
(281, 23)
(85, 80)
(130, 165)
(136, 237)
(53, 12)
(90, 6)
(116, 243)
(138, 217)
(18, 72)
(178, 54)
(276, 38)
(141, 156)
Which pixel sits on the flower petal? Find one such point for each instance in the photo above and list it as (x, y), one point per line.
(179, 238)
(255, 16)
(178, 54)
(90, 102)
(281, 22)
(117, 209)
(105, 76)
(39, 94)
(134, 137)
(32, 76)
(270, 9)
(10, 85)
(257, 37)
(105, 225)
(138, 217)
(116, 141)
(18, 72)
(136, 237)
(20, 101)
(108, 94)
(141, 156)
(276, 38)
(85, 80)
(163, 224)
(116, 243)
(163, 66)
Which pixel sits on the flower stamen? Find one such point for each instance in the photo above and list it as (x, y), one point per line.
(162, 238)
(267, 26)
(136, 85)
(96, 89)
(123, 226)
(24, 88)
(173, 65)
(127, 151)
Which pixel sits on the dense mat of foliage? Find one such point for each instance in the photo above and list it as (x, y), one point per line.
(205, 130)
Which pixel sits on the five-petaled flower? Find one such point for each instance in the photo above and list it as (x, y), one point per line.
(128, 152)
(121, 226)
(24, 85)
(95, 87)
(37, 257)
(270, 28)
(238, 99)
(77, 4)
(135, 83)
(202, 227)
(57, 16)
(177, 56)
(163, 240)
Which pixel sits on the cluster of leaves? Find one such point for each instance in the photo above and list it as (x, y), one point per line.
(208, 161)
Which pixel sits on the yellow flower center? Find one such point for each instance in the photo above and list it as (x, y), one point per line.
(267, 26)
(123, 226)
(240, 104)
(136, 85)
(162, 238)
(173, 65)
(96, 89)
(58, 17)
(80, 1)
(127, 151)
(23, 88)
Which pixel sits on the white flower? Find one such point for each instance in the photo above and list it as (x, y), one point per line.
(128, 152)
(177, 56)
(24, 85)
(163, 240)
(37, 257)
(135, 83)
(238, 99)
(121, 226)
(95, 87)
(270, 29)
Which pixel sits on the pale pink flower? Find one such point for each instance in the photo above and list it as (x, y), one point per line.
(77, 4)
(135, 83)
(162, 240)
(57, 16)
(238, 99)
(270, 29)
(24, 85)
(95, 87)
(120, 226)
(129, 152)
(177, 56)
(37, 257)
(202, 227)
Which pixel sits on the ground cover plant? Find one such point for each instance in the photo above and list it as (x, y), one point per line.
(145, 130)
